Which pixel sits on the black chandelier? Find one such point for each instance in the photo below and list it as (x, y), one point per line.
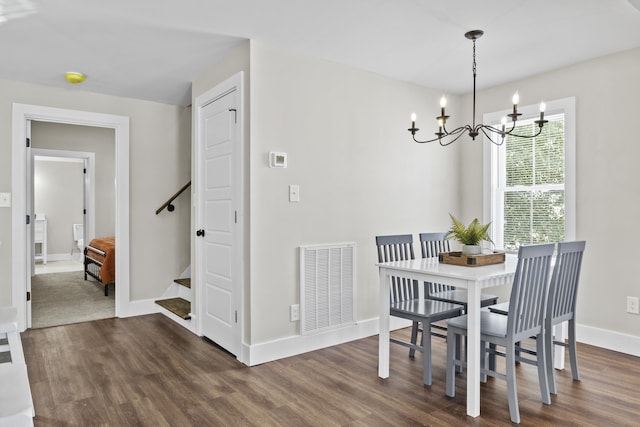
(445, 137)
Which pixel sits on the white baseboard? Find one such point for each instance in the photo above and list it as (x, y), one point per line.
(142, 307)
(187, 324)
(299, 344)
(139, 308)
(63, 257)
(611, 340)
(186, 273)
(171, 291)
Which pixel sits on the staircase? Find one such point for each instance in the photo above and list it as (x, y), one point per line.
(176, 301)
(177, 305)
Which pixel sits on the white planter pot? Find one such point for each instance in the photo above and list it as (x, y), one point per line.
(471, 250)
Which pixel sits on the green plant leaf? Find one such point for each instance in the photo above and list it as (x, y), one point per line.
(472, 234)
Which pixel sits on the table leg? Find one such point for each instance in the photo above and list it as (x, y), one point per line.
(473, 350)
(383, 337)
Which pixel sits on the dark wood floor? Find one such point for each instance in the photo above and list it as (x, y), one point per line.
(150, 371)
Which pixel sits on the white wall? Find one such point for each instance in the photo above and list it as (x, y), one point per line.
(359, 172)
(160, 165)
(101, 141)
(58, 194)
(360, 175)
(608, 178)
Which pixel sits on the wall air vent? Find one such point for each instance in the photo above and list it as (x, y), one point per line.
(327, 287)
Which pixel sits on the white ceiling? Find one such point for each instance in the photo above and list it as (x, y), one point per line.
(153, 49)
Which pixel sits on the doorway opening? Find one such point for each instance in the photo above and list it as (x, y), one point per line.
(64, 188)
(22, 231)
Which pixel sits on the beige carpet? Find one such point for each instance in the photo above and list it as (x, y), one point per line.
(63, 298)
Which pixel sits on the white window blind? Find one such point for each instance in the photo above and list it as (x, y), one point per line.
(527, 190)
(531, 184)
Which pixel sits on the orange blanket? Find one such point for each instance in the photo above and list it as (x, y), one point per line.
(108, 245)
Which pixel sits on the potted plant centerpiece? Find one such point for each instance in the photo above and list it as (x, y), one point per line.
(469, 236)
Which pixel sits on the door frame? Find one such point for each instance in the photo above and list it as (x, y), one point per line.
(22, 114)
(88, 183)
(235, 82)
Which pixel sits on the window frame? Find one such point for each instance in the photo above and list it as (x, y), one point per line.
(492, 203)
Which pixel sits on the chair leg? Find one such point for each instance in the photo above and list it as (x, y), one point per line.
(414, 338)
(573, 353)
(542, 369)
(483, 361)
(492, 357)
(426, 352)
(453, 341)
(548, 352)
(512, 390)
(461, 354)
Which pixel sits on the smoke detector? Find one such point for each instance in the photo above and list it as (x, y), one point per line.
(74, 78)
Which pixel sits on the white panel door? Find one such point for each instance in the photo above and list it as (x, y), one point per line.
(217, 236)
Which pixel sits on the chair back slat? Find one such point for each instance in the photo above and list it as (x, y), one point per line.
(398, 248)
(563, 290)
(431, 245)
(529, 292)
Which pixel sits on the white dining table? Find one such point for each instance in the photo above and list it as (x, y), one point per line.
(474, 279)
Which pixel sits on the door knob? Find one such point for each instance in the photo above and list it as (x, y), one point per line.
(200, 233)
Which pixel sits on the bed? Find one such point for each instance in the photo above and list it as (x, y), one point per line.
(100, 262)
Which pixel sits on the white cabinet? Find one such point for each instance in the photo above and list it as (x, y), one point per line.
(40, 238)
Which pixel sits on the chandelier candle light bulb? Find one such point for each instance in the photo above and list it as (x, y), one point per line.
(543, 107)
(515, 100)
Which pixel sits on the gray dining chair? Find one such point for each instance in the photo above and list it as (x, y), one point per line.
(561, 306)
(407, 303)
(431, 245)
(563, 294)
(525, 319)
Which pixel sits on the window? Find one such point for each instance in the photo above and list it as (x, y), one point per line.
(530, 190)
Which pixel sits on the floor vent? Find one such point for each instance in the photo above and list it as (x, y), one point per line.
(327, 287)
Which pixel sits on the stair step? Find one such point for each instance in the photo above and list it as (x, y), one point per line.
(186, 282)
(178, 306)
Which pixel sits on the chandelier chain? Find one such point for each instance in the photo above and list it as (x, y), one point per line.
(474, 58)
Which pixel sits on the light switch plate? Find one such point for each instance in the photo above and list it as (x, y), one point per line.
(5, 200)
(294, 193)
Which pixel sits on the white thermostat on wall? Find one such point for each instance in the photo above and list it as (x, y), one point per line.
(277, 159)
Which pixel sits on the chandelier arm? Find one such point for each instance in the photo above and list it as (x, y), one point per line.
(484, 129)
(525, 136)
(426, 141)
(510, 131)
(457, 130)
(454, 139)
(494, 129)
(444, 135)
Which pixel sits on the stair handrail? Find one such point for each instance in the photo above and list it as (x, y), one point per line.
(168, 204)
